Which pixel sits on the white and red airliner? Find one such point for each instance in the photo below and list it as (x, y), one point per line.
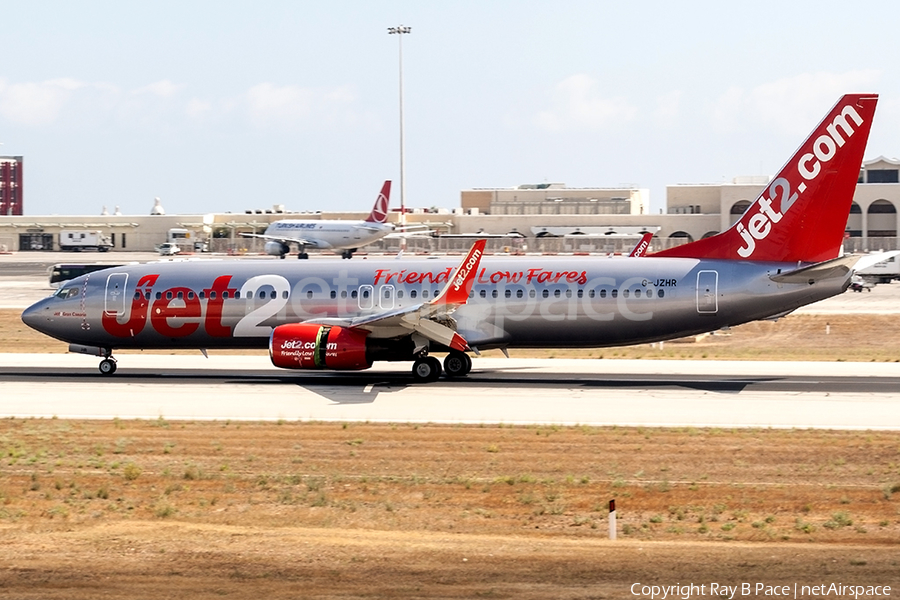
(783, 253)
(329, 234)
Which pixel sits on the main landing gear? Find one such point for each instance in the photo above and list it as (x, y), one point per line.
(348, 254)
(427, 369)
(302, 255)
(457, 364)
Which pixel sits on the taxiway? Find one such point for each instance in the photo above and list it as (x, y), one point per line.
(512, 391)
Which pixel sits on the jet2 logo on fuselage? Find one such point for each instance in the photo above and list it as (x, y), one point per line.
(760, 224)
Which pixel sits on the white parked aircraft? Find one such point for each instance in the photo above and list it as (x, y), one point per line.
(343, 235)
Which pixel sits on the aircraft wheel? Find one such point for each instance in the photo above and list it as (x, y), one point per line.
(426, 370)
(303, 256)
(107, 366)
(457, 364)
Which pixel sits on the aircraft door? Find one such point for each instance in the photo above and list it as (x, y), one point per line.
(386, 298)
(708, 292)
(366, 297)
(115, 293)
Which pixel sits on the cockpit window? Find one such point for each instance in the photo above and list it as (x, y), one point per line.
(69, 292)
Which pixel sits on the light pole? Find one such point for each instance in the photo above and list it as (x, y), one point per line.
(399, 31)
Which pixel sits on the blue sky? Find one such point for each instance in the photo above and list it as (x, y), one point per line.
(225, 106)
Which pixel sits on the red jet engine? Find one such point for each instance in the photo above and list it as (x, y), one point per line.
(311, 346)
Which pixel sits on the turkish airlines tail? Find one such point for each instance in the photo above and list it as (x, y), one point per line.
(802, 213)
(379, 212)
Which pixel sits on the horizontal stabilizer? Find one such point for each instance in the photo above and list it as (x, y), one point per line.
(840, 267)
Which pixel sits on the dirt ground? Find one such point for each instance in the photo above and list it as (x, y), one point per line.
(158, 509)
(108, 509)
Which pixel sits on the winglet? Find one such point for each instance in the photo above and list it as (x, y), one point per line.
(460, 284)
(640, 249)
(379, 212)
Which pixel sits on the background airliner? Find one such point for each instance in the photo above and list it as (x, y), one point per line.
(783, 253)
(343, 235)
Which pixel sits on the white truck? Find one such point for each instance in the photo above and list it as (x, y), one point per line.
(168, 249)
(185, 240)
(76, 240)
(882, 272)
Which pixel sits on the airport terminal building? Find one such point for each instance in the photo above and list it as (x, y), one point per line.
(547, 217)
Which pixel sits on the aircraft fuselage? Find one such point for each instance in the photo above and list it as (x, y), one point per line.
(515, 301)
(329, 235)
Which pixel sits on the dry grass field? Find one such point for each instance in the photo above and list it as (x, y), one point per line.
(157, 509)
(131, 508)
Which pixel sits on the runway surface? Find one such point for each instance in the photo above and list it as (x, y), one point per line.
(513, 391)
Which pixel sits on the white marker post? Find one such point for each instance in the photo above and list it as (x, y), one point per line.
(612, 519)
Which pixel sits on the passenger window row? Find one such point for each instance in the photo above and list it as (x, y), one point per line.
(483, 293)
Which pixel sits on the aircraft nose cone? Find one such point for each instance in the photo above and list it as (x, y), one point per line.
(35, 316)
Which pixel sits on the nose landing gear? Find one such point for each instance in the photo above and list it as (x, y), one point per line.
(108, 366)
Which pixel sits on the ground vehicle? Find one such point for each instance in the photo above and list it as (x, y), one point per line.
(177, 235)
(882, 272)
(169, 249)
(82, 239)
(858, 284)
(61, 273)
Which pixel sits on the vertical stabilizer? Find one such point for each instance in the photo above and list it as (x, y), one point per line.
(802, 213)
(379, 212)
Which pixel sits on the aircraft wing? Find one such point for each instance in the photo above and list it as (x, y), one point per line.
(410, 231)
(428, 318)
(281, 238)
(481, 235)
(410, 234)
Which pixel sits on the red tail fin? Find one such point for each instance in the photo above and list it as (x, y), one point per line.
(460, 284)
(379, 212)
(640, 248)
(802, 214)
